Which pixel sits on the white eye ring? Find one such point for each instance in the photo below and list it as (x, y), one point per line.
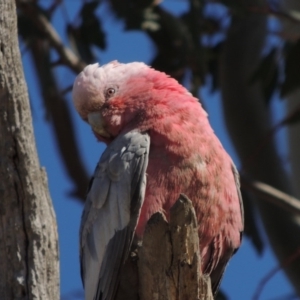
(110, 92)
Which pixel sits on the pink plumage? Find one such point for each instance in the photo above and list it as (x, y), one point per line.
(185, 156)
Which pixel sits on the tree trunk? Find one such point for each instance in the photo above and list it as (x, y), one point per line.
(28, 232)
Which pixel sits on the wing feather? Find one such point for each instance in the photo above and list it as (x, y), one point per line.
(111, 213)
(218, 272)
(238, 187)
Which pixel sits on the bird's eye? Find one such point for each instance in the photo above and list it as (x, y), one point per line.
(110, 92)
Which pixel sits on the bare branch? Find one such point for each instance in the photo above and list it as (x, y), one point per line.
(273, 272)
(57, 109)
(39, 19)
(60, 116)
(273, 195)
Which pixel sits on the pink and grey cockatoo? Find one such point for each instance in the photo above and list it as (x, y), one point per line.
(159, 145)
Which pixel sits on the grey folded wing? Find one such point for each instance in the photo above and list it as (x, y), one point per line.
(111, 213)
(218, 272)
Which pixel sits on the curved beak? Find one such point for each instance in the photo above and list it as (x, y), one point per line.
(97, 123)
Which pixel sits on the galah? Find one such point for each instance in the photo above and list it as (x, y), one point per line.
(159, 145)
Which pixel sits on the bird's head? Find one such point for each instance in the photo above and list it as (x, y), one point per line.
(112, 96)
(119, 97)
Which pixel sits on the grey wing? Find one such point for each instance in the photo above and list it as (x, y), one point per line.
(111, 213)
(218, 272)
(238, 186)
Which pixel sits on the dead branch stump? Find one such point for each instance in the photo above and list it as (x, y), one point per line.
(167, 265)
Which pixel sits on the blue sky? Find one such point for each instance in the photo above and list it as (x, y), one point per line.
(245, 270)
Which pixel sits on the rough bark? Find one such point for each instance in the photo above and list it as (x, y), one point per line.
(28, 232)
(167, 265)
(248, 120)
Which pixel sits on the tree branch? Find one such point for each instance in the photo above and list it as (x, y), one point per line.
(273, 195)
(273, 272)
(39, 19)
(60, 117)
(57, 109)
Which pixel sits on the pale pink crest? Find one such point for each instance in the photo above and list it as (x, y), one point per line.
(90, 84)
